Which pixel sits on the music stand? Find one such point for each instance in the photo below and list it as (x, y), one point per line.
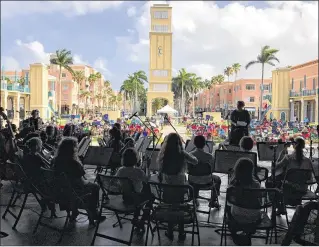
(98, 156)
(83, 149)
(139, 144)
(146, 143)
(190, 146)
(225, 160)
(154, 165)
(266, 153)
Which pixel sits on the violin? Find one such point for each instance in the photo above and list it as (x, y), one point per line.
(11, 146)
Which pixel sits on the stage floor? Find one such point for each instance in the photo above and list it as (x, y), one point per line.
(80, 233)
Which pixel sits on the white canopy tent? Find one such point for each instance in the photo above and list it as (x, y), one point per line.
(167, 109)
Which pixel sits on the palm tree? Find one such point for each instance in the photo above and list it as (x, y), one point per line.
(127, 91)
(21, 81)
(85, 94)
(266, 56)
(183, 77)
(118, 100)
(228, 72)
(63, 59)
(137, 81)
(78, 77)
(219, 79)
(236, 69)
(196, 85)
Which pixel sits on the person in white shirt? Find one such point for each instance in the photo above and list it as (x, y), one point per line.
(200, 175)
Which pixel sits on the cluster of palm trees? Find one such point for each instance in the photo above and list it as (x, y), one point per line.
(106, 97)
(133, 90)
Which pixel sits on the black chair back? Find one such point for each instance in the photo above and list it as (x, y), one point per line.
(201, 169)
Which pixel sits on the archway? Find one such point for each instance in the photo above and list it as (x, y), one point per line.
(158, 103)
(165, 97)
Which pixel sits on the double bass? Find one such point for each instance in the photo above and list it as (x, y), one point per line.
(10, 143)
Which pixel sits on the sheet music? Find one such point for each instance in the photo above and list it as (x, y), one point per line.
(190, 146)
(265, 153)
(84, 147)
(226, 160)
(146, 144)
(98, 156)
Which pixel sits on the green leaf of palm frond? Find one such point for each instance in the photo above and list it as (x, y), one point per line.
(250, 64)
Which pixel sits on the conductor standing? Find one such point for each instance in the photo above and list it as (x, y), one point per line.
(240, 120)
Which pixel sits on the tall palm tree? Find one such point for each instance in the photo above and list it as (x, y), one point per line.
(236, 69)
(196, 85)
(78, 77)
(63, 59)
(85, 94)
(228, 72)
(137, 80)
(267, 56)
(127, 90)
(183, 77)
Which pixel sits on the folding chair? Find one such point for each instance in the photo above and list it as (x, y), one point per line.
(264, 199)
(205, 170)
(57, 190)
(176, 205)
(298, 231)
(294, 188)
(117, 186)
(21, 186)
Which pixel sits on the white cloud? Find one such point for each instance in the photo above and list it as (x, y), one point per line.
(69, 8)
(131, 11)
(100, 64)
(26, 53)
(207, 38)
(77, 59)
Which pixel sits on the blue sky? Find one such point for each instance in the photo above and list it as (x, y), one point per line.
(114, 37)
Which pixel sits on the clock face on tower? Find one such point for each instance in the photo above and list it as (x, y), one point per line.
(160, 50)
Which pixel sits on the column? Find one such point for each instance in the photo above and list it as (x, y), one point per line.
(292, 111)
(16, 107)
(302, 110)
(4, 102)
(316, 109)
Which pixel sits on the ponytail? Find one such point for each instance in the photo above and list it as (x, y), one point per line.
(299, 146)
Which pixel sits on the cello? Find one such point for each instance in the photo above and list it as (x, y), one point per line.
(10, 144)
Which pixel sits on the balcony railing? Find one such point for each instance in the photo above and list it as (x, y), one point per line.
(14, 87)
(295, 94)
(308, 92)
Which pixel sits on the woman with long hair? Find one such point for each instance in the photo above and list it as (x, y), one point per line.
(173, 161)
(290, 161)
(67, 161)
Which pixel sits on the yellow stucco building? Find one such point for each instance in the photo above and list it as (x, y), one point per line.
(160, 70)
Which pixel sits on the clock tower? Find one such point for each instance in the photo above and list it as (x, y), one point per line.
(160, 70)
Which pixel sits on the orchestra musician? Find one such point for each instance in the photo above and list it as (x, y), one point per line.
(240, 120)
(35, 122)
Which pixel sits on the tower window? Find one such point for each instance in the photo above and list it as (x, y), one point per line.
(305, 81)
(161, 14)
(63, 75)
(160, 73)
(160, 28)
(292, 83)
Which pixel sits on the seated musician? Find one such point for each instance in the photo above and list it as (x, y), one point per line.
(32, 162)
(117, 145)
(52, 135)
(29, 136)
(203, 181)
(123, 133)
(68, 130)
(67, 161)
(243, 177)
(172, 160)
(35, 121)
(246, 144)
(240, 120)
(287, 161)
(141, 192)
